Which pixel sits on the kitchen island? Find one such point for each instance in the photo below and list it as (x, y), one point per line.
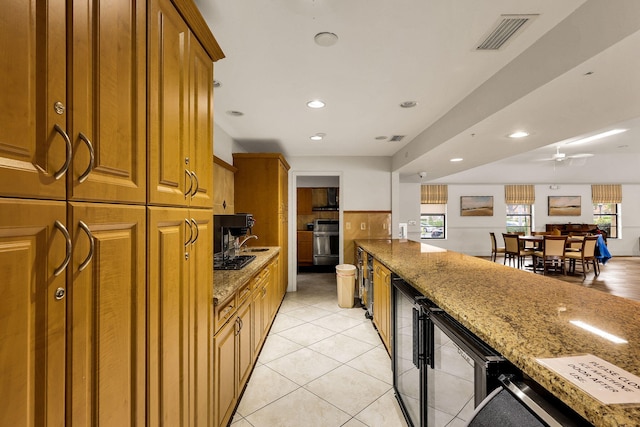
(524, 317)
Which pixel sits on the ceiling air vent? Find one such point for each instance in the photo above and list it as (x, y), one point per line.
(504, 30)
(396, 138)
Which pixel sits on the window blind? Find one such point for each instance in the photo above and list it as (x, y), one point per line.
(434, 194)
(606, 193)
(519, 194)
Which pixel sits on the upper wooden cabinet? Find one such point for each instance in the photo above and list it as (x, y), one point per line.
(305, 206)
(261, 188)
(223, 178)
(180, 112)
(35, 149)
(107, 80)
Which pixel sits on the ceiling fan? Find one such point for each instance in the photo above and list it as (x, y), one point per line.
(561, 157)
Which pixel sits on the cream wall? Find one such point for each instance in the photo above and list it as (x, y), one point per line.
(470, 235)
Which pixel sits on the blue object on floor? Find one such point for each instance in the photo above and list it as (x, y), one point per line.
(602, 252)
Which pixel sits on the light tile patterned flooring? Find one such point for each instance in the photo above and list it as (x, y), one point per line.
(321, 365)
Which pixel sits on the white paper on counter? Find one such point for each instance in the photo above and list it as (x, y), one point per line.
(599, 378)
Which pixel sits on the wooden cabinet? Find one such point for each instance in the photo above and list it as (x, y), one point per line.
(180, 112)
(34, 147)
(382, 302)
(107, 314)
(305, 248)
(107, 121)
(32, 338)
(180, 277)
(261, 188)
(304, 201)
(223, 197)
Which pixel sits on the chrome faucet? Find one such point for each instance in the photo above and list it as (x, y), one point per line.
(253, 236)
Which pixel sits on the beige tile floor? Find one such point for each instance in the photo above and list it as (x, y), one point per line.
(321, 365)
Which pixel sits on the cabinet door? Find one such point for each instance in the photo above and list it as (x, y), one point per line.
(201, 129)
(169, 179)
(33, 147)
(225, 372)
(108, 95)
(201, 311)
(168, 322)
(304, 201)
(244, 349)
(107, 302)
(32, 336)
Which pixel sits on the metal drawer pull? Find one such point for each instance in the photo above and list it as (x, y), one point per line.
(86, 261)
(188, 174)
(195, 225)
(67, 161)
(195, 190)
(67, 257)
(186, 221)
(92, 158)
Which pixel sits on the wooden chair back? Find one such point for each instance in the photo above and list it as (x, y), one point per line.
(511, 243)
(554, 246)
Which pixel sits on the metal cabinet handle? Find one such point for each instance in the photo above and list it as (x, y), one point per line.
(187, 222)
(92, 157)
(60, 226)
(197, 187)
(188, 174)
(86, 261)
(195, 226)
(67, 162)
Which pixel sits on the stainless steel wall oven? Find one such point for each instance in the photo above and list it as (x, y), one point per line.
(326, 242)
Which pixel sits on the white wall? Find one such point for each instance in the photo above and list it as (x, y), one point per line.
(470, 235)
(224, 145)
(366, 181)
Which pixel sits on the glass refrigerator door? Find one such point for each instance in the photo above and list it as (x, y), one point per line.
(450, 383)
(407, 362)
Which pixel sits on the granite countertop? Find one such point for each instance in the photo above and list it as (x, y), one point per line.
(226, 282)
(525, 316)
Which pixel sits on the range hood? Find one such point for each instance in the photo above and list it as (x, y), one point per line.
(332, 200)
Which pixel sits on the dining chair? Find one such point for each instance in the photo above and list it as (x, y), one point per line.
(552, 254)
(513, 252)
(576, 244)
(495, 249)
(586, 255)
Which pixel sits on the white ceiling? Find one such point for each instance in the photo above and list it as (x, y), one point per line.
(573, 71)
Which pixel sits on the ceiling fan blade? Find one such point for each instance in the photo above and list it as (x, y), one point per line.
(580, 156)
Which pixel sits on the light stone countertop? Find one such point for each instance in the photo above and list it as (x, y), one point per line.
(226, 282)
(524, 316)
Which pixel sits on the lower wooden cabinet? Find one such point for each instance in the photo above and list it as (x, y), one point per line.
(32, 313)
(180, 276)
(305, 248)
(382, 302)
(241, 326)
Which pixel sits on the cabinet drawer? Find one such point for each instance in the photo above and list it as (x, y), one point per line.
(244, 292)
(224, 311)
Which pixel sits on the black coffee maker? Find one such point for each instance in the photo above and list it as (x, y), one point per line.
(227, 228)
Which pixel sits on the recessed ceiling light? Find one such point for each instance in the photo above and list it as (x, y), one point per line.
(381, 138)
(597, 136)
(325, 39)
(456, 159)
(216, 83)
(519, 134)
(235, 113)
(318, 136)
(315, 103)
(408, 104)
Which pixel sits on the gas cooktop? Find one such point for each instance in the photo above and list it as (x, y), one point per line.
(236, 263)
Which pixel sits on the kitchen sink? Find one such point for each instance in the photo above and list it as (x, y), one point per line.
(256, 249)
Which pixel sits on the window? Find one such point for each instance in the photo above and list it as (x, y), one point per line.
(519, 219)
(605, 216)
(433, 221)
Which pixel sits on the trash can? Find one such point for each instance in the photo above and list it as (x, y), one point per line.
(346, 277)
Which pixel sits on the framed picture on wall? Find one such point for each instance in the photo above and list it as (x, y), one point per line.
(476, 205)
(564, 206)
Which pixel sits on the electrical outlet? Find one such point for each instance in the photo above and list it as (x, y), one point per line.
(363, 226)
(412, 223)
(348, 225)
